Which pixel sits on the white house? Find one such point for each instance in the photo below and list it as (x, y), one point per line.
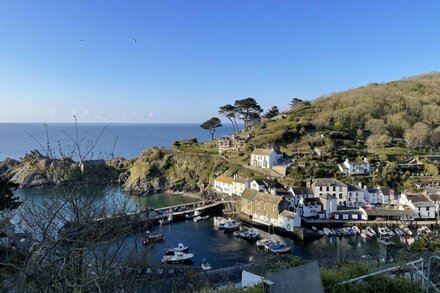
(239, 185)
(434, 195)
(378, 195)
(296, 194)
(265, 185)
(309, 207)
(355, 196)
(329, 204)
(289, 220)
(355, 167)
(224, 184)
(336, 188)
(423, 207)
(265, 158)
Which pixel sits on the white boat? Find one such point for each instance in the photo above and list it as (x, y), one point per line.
(192, 215)
(407, 231)
(280, 248)
(327, 232)
(314, 229)
(265, 243)
(251, 235)
(381, 231)
(199, 218)
(356, 230)
(180, 247)
(172, 256)
(389, 232)
(399, 231)
(370, 232)
(423, 231)
(321, 233)
(231, 226)
(167, 220)
(385, 241)
(205, 265)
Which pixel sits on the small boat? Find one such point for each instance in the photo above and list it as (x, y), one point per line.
(356, 230)
(389, 232)
(192, 215)
(230, 226)
(399, 231)
(407, 231)
(280, 248)
(338, 232)
(167, 220)
(265, 243)
(205, 265)
(152, 238)
(370, 232)
(238, 234)
(251, 235)
(385, 241)
(180, 247)
(333, 232)
(327, 232)
(423, 231)
(199, 218)
(314, 229)
(381, 231)
(321, 233)
(172, 256)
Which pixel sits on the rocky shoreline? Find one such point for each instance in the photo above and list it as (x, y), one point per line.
(156, 170)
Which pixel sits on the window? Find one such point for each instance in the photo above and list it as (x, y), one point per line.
(320, 188)
(328, 188)
(427, 208)
(334, 188)
(340, 196)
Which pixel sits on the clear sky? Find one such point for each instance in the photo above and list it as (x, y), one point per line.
(64, 57)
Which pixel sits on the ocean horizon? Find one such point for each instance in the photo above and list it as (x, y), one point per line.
(127, 139)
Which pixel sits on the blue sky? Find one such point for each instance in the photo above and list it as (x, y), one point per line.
(193, 56)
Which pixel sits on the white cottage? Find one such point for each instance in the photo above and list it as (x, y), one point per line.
(422, 206)
(224, 185)
(336, 188)
(289, 220)
(355, 168)
(239, 185)
(265, 158)
(355, 196)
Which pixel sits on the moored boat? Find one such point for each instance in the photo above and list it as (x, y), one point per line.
(251, 235)
(356, 230)
(166, 220)
(153, 238)
(423, 231)
(172, 256)
(231, 225)
(180, 247)
(407, 231)
(280, 248)
(385, 241)
(200, 218)
(265, 243)
(192, 215)
(370, 232)
(205, 265)
(327, 232)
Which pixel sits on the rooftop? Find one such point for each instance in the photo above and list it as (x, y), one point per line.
(224, 179)
(249, 194)
(354, 188)
(267, 197)
(263, 152)
(328, 182)
(288, 214)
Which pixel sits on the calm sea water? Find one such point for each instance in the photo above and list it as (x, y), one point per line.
(16, 138)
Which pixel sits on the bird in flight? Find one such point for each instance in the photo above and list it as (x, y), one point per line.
(134, 40)
(82, 40)
(66, 75)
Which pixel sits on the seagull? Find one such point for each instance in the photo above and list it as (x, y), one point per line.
(66, 75)
(134, 40)
(82, 40)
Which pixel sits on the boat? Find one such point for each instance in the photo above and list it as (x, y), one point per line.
(407, 231)
(314, 229)
(381, 231)
(385, 241)
(238, 234)
(333, 232)
(251, 235)
(192, 215)
(423, 231)
(199, 218)
(230, 226)
(399, 231)
(180, 247)
(321, 233)
(172, 256)
(166, 220)
(280, 248)
(205, 265)
(356, 230)
(389, 232)
(152, 238)
(370, 232)
(265, 243)
(327, 232)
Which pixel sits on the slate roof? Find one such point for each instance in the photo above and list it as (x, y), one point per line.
(267, 197)
(224, 179)
(262, 152)
(249, 194)
(328, 182)
(354, 188)
(288, 214)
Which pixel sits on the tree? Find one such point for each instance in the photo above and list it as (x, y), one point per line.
(397, 124)
(296, 102)
(211, 125)
(417, 136)
(248, 110)
(272, 112)
(230, 112)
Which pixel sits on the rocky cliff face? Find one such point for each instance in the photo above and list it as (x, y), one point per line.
(159, 170)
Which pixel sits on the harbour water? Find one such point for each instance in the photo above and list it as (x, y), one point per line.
(223, 249)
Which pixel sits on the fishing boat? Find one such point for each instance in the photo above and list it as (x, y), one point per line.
(327, 232)
(356, 230)
(205, 265)
(152, 238)
(238, 234)
(280, 248)
(172, 256)
(385, 241)
(180, 247)
(381, 231)
(265, 243)
(370, 232)
(407, 231)
(166, 220)
(389, 232)
(230, 226)
(200, 218)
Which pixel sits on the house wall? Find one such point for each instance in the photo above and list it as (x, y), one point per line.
(425, 212)
(223, 187)
(246, 207)
(265, 211)
(356, 199)
(340, 192)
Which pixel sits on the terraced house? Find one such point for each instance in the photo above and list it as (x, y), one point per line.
(336, 188)
(262, 207)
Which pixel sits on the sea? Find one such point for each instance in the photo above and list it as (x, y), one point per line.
(119, 140)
